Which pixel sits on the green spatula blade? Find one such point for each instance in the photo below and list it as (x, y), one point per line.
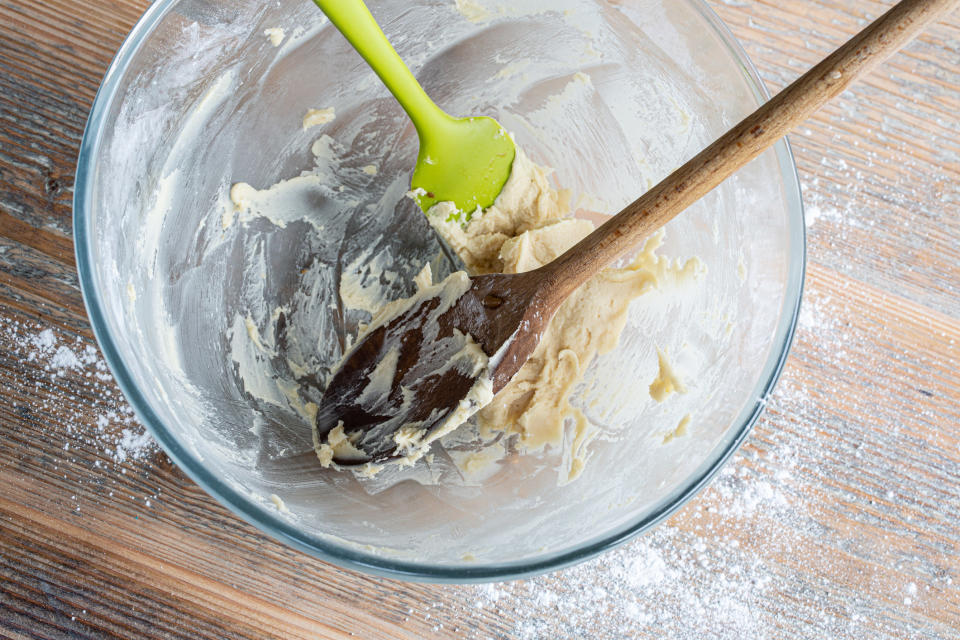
(463, 160)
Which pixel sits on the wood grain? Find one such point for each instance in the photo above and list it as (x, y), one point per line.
(861, 435)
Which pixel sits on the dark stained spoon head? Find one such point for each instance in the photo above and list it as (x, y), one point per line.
(408, 379)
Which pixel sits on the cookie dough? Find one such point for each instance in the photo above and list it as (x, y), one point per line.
(667, 380)
(528, 226)
(316, 117)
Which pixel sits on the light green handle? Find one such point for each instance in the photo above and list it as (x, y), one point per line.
(354, 21)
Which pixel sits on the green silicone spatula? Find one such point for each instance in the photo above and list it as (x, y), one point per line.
(464, 160)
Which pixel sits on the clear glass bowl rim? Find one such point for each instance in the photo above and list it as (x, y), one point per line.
(347, 557)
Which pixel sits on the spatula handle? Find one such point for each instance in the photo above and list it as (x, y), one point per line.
(741, 144)
(354, 21)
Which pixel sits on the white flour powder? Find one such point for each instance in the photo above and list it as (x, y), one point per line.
(67, 374)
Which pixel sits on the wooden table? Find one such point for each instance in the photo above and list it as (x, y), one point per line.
(839, 518)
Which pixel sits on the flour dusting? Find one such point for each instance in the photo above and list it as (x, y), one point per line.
(725, 566)
(77, 396)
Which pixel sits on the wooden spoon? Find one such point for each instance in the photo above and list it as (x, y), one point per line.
(506, 313)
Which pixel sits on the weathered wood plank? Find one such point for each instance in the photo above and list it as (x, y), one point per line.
(145, 594)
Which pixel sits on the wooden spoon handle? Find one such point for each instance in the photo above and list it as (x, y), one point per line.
(738, 146)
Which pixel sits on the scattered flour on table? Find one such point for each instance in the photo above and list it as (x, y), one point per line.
(725, 566)
(669, 580)
(67, 382)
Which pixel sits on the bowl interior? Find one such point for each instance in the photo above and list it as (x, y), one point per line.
(221, 329)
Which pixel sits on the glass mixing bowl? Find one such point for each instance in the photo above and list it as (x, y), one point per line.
(219, 329)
